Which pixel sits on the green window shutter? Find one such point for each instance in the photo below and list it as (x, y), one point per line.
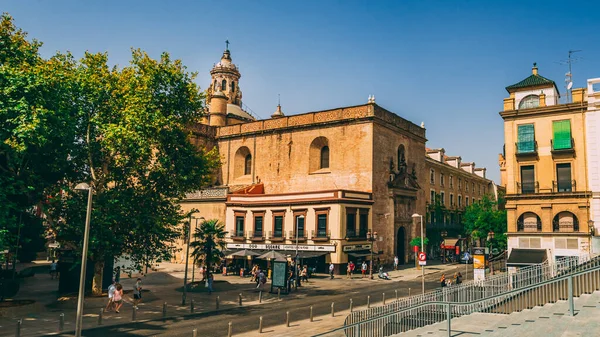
(562, 134)
(526, 138)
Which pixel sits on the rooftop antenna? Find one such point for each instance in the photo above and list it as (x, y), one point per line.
(569, 76)
(278, 99)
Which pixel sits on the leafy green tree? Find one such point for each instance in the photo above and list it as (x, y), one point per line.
(132, 146)
(37, 132)
(484, 216)
(209, 243)
(416, 241)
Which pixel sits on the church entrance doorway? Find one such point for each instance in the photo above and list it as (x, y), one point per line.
(400, 245)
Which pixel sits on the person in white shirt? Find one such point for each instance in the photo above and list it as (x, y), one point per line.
(395, 262)
(331, 269)
(111, 296)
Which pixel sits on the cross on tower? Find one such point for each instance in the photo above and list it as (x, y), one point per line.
(226, 44)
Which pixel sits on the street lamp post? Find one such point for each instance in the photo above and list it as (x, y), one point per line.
(371, 237)
(444, 234)
(490, 237)
(86, 237)
(300, 217)
(194, 262)
(187, 256)
(414, 216)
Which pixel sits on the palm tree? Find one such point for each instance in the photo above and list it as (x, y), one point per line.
(209, 243)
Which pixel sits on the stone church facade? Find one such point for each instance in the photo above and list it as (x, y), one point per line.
(320, 180)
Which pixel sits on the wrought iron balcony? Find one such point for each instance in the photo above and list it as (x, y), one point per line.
(530, 187)
(525, 149)
(361, 234)
(276, 236)
(320, 235)
(238, 235)
(257, 236)
(560, 147)
(565, 226)
(301, 235)
(562, 186)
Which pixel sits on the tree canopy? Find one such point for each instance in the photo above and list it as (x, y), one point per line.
(123, 130)
(482, 217)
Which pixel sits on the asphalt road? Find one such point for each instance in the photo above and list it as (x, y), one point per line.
(246, 318)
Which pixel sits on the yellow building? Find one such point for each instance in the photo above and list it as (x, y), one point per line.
(543, 168)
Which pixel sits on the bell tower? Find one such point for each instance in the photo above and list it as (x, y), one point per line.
(225, 78)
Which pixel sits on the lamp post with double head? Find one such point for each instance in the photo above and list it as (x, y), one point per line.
(490, 237)
(86, 238)
(415, 216)
(371, 237)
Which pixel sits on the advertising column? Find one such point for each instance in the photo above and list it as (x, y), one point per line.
(478, 264)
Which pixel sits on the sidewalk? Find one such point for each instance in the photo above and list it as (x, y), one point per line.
(165, 285)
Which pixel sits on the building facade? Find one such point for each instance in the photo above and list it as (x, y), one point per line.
(451, 186)
(592, 120)
(543, 167)
(320, 181)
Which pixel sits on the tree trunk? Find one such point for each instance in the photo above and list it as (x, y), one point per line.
(97, 280)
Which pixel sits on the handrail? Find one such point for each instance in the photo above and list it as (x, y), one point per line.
(487, 299)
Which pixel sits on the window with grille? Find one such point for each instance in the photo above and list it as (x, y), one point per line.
(563, 177)
(561, 131)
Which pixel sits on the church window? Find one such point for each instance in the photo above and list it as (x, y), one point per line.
(224, 85)
(325, 157)
(401, 156)
(530, 101)
(232, 86)
(248, 164)
(318, 156)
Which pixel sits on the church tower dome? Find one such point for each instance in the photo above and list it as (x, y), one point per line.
(225, 77)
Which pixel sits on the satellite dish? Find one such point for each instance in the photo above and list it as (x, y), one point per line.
(570, 85)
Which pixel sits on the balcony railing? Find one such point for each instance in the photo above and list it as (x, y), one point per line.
(565, 226)
(276, 236)
(238, 235)
(361, 234)
(320, 235)
(562, 146)
(529, 187)
(528, 148)
(301, 235)
(257, 236)
(564, 186)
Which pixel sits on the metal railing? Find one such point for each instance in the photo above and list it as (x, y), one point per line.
(565, 285)
(320, 234)
(276, 235)
(301, 235)
(477, 290)
(528, 187)
(561, 186)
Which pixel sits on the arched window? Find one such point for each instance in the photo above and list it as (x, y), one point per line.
(248, 164)
(324, 157)
(224, 85)
(530, 101)
(529, 222)
(401, 157)
(232, 86)
(565, 222)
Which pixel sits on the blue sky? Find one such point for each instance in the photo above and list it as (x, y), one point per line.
(445, 63)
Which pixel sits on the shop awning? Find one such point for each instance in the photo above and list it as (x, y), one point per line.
(526, 257)
(359, 253)
(449, 243)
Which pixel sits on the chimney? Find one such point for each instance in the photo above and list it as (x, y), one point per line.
(534, 70)
(480, 171)
(578, 95)
(453, 161)
(469, 167)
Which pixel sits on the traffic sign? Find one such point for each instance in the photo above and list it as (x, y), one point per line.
(422, 256)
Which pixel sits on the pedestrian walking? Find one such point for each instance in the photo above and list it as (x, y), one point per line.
(443, 280)
(349, 270)
(137, 292)
(118, 297)
(209, 280)
(363, 269)
(111, 295)
(304, 274)
(53, 270)
(459, 278)
(331, 268)
(396, 262)
(262, 279)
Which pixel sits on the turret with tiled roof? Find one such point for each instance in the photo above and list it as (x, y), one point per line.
(535, 80)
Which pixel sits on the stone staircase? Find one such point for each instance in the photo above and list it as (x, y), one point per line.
(550, 320)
